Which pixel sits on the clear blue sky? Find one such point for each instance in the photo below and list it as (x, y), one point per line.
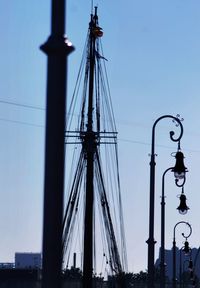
(153, 48)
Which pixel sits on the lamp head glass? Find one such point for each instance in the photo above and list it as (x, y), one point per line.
(182, 208)
(179, 168)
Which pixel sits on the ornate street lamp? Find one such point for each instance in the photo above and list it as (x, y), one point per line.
(183, 208)
(151, 241)
(187, 251)
(179, 172)
(186, 246)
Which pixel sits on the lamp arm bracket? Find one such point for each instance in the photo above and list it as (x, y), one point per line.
(189, 232)
(171, 133)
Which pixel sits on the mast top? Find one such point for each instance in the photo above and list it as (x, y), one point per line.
(96, 30)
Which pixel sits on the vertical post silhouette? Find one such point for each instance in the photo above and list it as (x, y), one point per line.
(57, 48)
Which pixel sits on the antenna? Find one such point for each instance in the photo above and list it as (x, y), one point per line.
(92, 6)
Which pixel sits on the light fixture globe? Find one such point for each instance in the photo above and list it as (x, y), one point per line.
(183, 208)
(186, 248)
(179, 168)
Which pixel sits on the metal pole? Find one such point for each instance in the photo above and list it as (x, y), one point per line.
(174, 262)
(180, 268)
(162, 246)
(151, 242)
(57, 49)
(90, 146)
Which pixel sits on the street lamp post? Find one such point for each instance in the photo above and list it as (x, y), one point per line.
(162, 246)
(174, 247)
(182, 170)
(151, 242)
(180, 268)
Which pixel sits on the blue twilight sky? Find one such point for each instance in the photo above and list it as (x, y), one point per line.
(153, 48)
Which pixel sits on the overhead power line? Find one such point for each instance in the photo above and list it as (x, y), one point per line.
(42, 126)
(22, 105)
(21, 123)
(158, 145)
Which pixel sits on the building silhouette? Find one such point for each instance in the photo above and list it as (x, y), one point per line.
(181, 262)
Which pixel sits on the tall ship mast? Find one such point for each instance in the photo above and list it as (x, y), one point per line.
(93, 216)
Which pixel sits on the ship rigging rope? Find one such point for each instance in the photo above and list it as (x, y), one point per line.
(121, 238)
(73, 102)
(108, 93)
(114, 253)
(70, 212)
(104, 218)
(124, 253)
(101, 220)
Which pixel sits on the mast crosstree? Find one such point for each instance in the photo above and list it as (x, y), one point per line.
(96, 126)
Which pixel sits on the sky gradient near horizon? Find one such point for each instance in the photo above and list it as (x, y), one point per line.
(153, 52)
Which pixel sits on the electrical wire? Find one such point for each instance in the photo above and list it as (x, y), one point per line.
(22, 105)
